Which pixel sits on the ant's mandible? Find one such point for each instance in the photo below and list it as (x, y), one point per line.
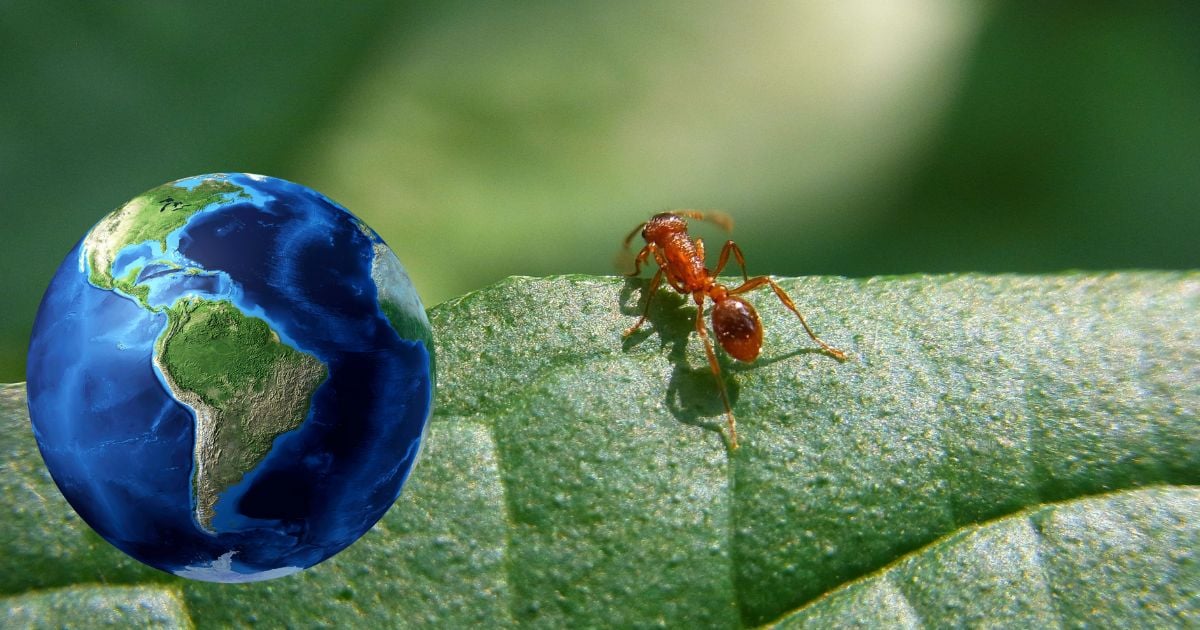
(680, 261)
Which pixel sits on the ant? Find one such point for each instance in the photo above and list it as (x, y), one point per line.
(680, 261)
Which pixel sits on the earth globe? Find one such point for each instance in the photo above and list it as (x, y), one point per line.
(230, 377)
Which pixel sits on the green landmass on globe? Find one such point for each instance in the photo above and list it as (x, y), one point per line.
(151, 216)
(245, 385)
(128, 285)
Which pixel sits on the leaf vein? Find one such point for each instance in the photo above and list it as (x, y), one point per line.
(884, 572)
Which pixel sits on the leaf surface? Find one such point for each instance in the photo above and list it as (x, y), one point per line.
(999, 450)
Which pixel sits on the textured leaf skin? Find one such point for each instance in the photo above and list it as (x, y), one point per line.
(999, 450)
(98, 607)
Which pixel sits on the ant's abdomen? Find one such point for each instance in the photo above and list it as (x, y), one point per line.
(737, 328)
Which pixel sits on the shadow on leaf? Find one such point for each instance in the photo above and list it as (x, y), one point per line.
(692, 396)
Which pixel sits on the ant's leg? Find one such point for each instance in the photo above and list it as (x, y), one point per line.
(716, 370)
(754, 283)
(663, 263)
(649, 294)
(730, 246)
(640, 260)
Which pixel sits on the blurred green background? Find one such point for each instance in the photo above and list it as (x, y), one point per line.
(483, 140)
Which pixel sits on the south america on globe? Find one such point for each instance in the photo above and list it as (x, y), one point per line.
(230, 377)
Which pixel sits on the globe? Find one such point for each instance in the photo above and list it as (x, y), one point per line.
(230, 377)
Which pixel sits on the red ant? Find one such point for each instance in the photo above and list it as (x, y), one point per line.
(680, 260)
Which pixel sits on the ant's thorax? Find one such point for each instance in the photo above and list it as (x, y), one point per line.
(685, 261)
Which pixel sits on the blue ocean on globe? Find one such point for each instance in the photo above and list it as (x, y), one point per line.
(230, 377)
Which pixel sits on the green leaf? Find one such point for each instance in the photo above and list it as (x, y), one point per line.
(998, 450)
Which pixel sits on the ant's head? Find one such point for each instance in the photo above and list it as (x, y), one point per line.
(663, 225)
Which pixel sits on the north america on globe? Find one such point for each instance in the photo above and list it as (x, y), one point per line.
(230, 377)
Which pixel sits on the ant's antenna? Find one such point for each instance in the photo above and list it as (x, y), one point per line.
(632, 234)
(716, 217)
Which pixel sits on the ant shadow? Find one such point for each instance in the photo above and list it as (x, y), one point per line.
(692, 396)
